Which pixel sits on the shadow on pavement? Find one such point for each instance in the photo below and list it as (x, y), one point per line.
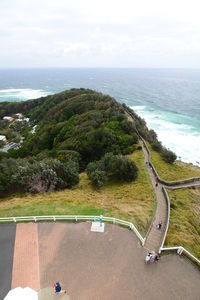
(49, 294)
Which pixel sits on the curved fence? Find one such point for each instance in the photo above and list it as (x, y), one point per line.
(168, 217)
(181, 250)
(76, 219)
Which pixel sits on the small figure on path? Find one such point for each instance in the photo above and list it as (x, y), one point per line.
(148, 257)
(156, 258)
(156, 181)
(58, 289)
(159, 225)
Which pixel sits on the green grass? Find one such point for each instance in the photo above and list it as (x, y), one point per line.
(184, 227)
(176, 171)
(133, 202)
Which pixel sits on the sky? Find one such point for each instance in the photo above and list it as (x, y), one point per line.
(100, 33)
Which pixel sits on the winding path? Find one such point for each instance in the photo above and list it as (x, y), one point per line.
(154, 237)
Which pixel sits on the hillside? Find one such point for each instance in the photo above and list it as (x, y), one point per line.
(59, 135)
(84, 121)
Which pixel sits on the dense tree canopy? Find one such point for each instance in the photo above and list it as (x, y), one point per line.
(71, 130)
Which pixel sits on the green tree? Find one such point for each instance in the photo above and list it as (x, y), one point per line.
(168, 155)
(123, 168)
(98, 178)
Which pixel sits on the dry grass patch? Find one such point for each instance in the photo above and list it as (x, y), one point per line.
(130, 201)
(184, 227)
(176, 171)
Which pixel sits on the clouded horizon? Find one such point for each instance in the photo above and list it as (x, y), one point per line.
(128, 33)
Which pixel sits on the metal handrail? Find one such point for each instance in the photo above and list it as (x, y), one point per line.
(74, 218)
(181, 250)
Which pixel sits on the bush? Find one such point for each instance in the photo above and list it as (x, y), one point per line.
(98, 178)
(168, 156)
(115, 166)
(157, 146)
(123, 168)
(66, 155)
(128, 150)
(31, 175)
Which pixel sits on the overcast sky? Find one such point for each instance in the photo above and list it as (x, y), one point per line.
(99, 33)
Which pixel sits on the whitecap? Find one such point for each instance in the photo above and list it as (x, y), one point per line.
(21, 94)
(181, 138)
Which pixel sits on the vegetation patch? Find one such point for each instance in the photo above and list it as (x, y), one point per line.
(116, 167)
(184, 226)
(132, 201)
(171, 172)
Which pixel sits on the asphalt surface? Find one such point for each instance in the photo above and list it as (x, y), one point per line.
(7, 241)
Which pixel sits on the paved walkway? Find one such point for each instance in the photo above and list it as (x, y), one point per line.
(183, 185)
(154, 237)
(90, 265)
(110, 265)
(26, 260)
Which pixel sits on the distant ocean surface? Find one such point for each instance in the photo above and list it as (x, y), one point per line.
(168, 99)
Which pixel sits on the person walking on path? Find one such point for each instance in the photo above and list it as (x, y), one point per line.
(58, 289)
(159, 225)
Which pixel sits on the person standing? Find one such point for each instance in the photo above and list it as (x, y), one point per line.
(58, 289)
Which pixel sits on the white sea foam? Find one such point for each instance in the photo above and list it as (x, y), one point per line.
(183, 139)
(21, 94)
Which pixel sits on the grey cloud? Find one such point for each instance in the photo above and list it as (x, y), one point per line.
(98, 33)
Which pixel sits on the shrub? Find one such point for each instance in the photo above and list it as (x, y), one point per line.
(32, 175)
(157, 146)
(123, 168)
(128, 150)
(98, 178)
(115, 166)
(168, 155)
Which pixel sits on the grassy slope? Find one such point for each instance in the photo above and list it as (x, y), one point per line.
(184, 228)
(130, 201)
(171, 172)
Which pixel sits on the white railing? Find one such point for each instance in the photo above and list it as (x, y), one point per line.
(168, 217)
(74, 218)
(181, 250)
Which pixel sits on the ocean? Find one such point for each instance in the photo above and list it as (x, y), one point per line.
(168, 99)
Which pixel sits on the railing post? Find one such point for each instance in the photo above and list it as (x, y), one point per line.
(14, 219)
(54, 218)
(35, 219)
(180, 250)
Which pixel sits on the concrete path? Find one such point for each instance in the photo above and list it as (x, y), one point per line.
(7, 241)
(155, 235)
